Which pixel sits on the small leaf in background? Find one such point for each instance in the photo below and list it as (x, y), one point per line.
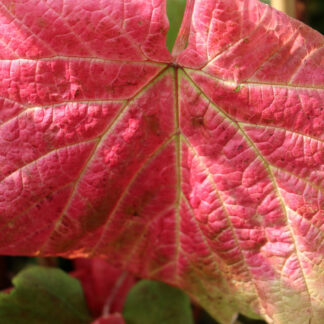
(151, 302)
(105, 287)
(44, 296)
(175, 11)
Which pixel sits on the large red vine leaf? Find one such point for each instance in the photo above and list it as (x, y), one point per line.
(207, 174)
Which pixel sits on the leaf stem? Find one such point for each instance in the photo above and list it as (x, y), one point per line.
(120, 281)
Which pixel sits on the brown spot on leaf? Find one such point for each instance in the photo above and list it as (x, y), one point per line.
(42, 22)
(197, 121)
(153, 124)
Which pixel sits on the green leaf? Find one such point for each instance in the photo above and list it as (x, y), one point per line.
(44, 296)
(151, 302)
(175, 11)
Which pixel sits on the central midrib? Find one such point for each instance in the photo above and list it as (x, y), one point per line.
(178, 167)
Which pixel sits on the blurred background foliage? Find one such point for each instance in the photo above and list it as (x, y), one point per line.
(315, 14)
(175, 11)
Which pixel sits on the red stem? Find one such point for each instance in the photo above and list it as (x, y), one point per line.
(113, 294)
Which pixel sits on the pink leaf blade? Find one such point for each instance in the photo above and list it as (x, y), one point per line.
(120, 30)
(247, 40)
(274, 221)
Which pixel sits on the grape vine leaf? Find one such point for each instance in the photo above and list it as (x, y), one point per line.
(203, 169)
(44, 295)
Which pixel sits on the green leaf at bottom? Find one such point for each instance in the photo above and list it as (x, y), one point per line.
(44, 296)
(151, 302)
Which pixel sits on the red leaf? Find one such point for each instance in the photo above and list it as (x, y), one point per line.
(105, 287)
(204, 170)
